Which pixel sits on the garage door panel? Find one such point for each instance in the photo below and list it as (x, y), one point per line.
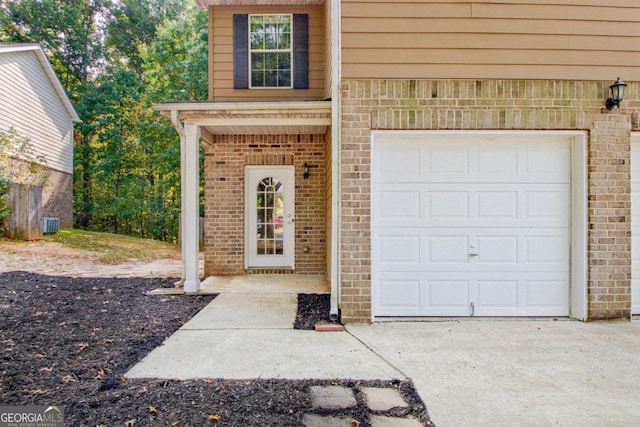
(399, 160)
(550, 249)
(497, 160)
(447, 161)
(548, 202)
(437, 249)
(398, 249)
(547, 293)
(479, 161)
(493, 293)
(497, 205)
(448, 294)
(497, 249)
(399, 205)
(447, 205)
(400, 294)
(447, 249)
(497, 293)
(455, 205)
(547, 162)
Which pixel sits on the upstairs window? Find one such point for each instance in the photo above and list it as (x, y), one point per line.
(270, 51)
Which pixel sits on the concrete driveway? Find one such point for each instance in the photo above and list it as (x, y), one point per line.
(516, 372)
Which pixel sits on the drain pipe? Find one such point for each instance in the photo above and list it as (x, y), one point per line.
(334, 312)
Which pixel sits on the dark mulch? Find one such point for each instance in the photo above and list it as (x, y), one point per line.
(68, 342)
(312, 309)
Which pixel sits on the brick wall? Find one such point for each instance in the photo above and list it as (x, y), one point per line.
(57, 198)
(492, 105)
(225, 160)
(609, 247)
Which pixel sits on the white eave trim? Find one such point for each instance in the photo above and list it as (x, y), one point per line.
(248, 107)
(203, 4)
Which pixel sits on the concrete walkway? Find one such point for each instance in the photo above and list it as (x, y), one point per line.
(243, 334)
(468, 372)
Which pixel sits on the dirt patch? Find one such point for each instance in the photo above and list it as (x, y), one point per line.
(54, 259)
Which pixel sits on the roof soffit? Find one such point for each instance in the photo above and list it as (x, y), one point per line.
(203, 4)
(228, 118)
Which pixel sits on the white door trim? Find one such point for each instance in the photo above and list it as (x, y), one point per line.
(578, 210)
(253, 175)
(635, 251)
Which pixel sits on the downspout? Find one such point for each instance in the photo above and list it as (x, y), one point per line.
(334, 313)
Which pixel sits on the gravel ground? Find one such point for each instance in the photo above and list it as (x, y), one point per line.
(68, 342)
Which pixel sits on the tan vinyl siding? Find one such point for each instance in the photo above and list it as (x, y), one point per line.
(30, 104)
(525, 39)
(221, 56)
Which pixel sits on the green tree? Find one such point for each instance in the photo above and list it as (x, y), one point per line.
(116, 58)
(134, 23)
(69, 31)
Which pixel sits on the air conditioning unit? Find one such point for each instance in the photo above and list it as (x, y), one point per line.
(50, 225)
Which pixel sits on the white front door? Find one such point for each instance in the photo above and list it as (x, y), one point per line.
(269, 217)
(470, 226)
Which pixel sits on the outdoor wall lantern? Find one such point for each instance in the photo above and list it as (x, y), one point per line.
(305, 170)
(617, 94)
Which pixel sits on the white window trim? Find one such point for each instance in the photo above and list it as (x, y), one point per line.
(290, 51)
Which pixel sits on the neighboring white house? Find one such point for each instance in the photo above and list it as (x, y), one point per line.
(34, 103)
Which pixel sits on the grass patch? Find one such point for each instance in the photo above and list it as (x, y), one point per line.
(113, 248)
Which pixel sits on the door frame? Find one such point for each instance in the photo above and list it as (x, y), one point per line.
(578, 281)
(286, 174)
(635, 251)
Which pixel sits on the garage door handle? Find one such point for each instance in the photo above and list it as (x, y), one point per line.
(473, 251)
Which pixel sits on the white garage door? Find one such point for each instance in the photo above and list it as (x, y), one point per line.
(635, 224)
(467, 226)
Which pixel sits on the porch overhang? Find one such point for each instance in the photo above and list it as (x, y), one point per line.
(253, 118)
(203, 4)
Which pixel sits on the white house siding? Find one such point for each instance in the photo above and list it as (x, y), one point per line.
(30, 104)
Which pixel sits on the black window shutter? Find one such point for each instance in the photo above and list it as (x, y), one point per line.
(241, 51)
(301, 51)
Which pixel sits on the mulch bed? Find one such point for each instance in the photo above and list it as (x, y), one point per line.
(312, 309)
(69, 341)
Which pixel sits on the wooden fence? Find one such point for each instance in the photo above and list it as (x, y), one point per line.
(25, 220)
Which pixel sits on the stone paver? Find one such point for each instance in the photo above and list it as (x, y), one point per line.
(383, 421)
(332, 397)
(312, 420)
(340, 398)
(383, 399)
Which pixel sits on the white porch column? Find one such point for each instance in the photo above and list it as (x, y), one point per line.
(190, 166)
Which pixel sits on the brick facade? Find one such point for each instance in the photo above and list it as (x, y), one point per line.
(224, 166)
(57, 198)
(57, 190)
(609, 247)
(493, 105)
